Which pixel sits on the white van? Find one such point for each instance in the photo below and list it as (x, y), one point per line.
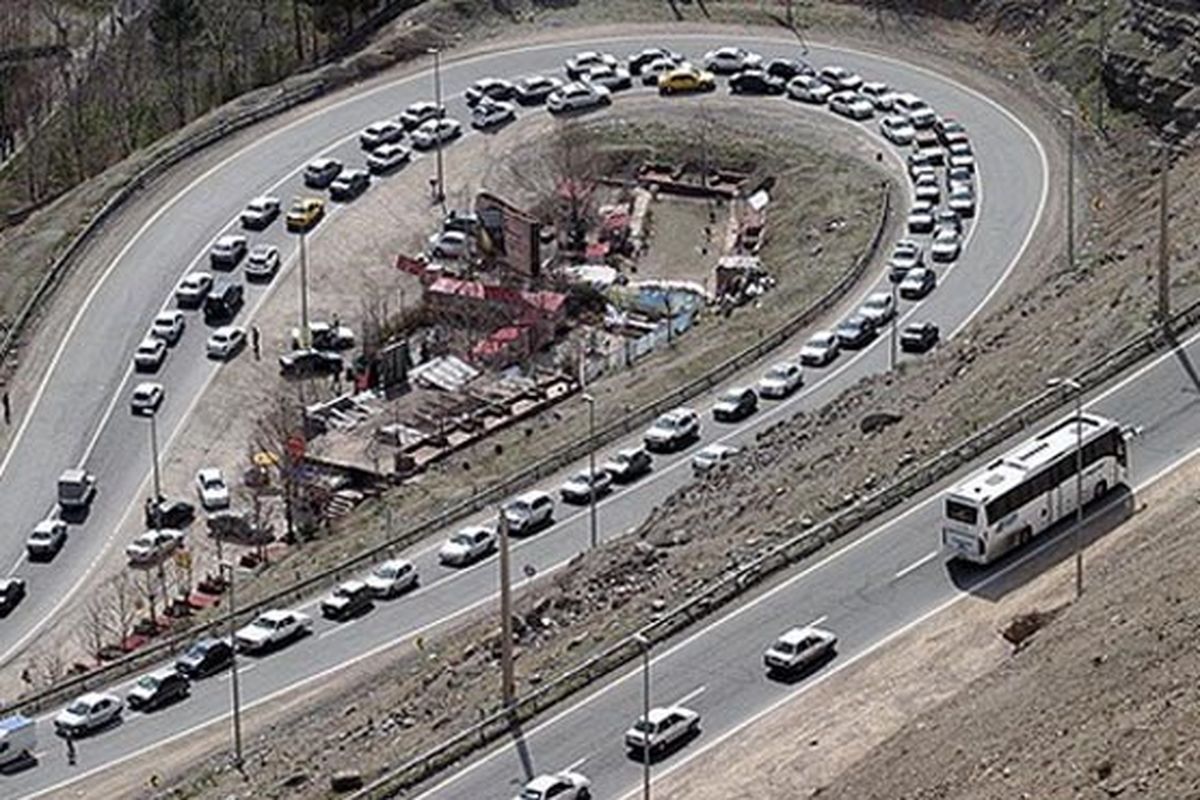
(18, 739)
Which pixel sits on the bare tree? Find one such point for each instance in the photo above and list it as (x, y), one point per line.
(94, 631)
(122, 606)
(277, 434)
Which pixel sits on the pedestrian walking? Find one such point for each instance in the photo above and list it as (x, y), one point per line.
(255, 342)
(7, 409)
(433, 190)
(71, 755)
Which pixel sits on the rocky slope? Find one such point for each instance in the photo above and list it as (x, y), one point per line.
(1152, 64)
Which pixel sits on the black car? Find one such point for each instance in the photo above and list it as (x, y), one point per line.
(158, 689)
(347, 600)
(638, 62)
(491, 88)
(168, 513)
(223, 302)
(855, 332)
(300, 363)
(755, 81)
(736, 404)
(12, 591)
(533, 90)
(787, 68)
(350, 184)
(205, 657)
(918, 337)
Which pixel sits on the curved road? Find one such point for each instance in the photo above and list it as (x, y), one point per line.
(82, 414)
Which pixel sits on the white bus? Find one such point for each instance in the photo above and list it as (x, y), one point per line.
(1030, 488)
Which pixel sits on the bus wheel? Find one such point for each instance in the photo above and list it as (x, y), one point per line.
(1100, 490)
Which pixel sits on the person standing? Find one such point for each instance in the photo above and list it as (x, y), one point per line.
(255, 342)
(7, 409)
(71, 754)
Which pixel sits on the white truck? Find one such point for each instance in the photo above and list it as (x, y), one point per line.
(18, 739)
(76, 488)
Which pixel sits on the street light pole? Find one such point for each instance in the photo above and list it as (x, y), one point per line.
(1077, 536)
(507, 681)
(1070, 189)
(645, 645)
(895, 322)
(437, 99)
(591, 402)
(304, 332)
(1164, 257)
(1101, 53)
(154, 459)
(236, 689)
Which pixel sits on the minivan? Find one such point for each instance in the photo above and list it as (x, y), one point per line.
(223, 302)
(529, 512)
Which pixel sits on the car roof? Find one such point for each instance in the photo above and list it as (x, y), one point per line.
(352, 585)
(798, 634)
(531, 496)
(395, 563)
(543, 782)
(92, 698)
(275, 613)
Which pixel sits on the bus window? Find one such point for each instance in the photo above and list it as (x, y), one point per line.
(961, 512)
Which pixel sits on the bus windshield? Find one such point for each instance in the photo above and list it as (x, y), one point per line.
(962, 512)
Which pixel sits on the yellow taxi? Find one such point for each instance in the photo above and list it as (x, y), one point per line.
(305, 213)
(686, 79)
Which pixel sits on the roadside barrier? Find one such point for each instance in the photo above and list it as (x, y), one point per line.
(800, 543)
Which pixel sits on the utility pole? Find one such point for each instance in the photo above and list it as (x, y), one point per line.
(645, 645)
(155, 472)
(1102, 52)
(441, 113)
(1070, 189)
(895, 322)
(305, 336)
(1164, 257)
(233, 682)
(507, 682)
(591, 402)
(1077, 536)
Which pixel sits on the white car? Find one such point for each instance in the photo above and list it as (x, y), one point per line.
(490, 113)
(193, 289)
(263, 262)
(906, 255)
(840, 79)
(260, 212)
(449, 244)
(919, 282)
(926, 187)
(47, 538)
(435, 132)
(149, 354)
(851, 105)
(962, 200)
(584, 485)
(388, 157)
(146, 398)
(799, 648)
(879, 95)
(780, 380)
(228, 251)
(808, 88)
(897, 129)
(879, 308)
(712, 456)
(272, 629)
(392, 577)
(528, 512)
(168, 326)
(922, 118)
(560, 786)
(380, 133)
(673, 429)
(321, 172)
(580, 63)
(468, 545)
(662, 728)
(226, 341)
(578, 96)
(659, 66)
(946, 245)
(153, 546)
(920, 217)
(820, 349)
(212, 488)
(727, 60)
(86, 714)
(611, 78)
(418, 113)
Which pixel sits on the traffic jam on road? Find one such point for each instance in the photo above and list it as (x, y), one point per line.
(941, 167)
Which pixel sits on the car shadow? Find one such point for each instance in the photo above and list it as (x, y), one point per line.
(794, 676)
(1021, 565)
(77, 516)
(168, 704)
(19, 765)
(115, 722)
(358, 613)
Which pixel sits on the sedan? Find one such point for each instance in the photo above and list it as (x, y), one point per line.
(150, 354)
(656, 69)
(225, 342)
(661, 729)
(854, 332)
(418, 113)
(320, 172)
(920, 217)
(490, 89)
(918, 283)
(906, 255)
(686, 79)
(799, 649)
(878, 94)
(193, 289)
(919, 337)
(436, 132)
(305, 213)
(820, 349)
(212, 489)
(949, 131)
(946, 245)
(380, 133)
(349, 185)
(926, 187)
(47, 539)
(897, 129)
(273, 628)
(780, 380)
(492, 114)
(851, 105)
(146, 398)
(387, 158)
(534, 89)
(879, 308)
(735, 404)
(227, 251)
(158, 689)
(962, 200)
(392, 577)
(755, 81)
(205, 657)
(167, 513)
(449, 244)
(578, 97)
(153, 546)
(728, 60)
(560, 786)
(263, 262)
(468, 545)
(628, 464)
(585, 486)
(612, 78)
(93, 710)
(260, 212)
(12, 592)
(788, 68)
(580, 63)
(168, 326)
(712, 456)
(308, 362)
(348, 599)
(809, 89)
(639, 61)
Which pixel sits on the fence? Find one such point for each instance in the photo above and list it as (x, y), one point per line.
(799, 544)
(492, 495)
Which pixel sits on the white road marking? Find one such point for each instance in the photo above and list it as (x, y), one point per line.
(818, 621)
(916, 565)
(692, 695)
(576, 764)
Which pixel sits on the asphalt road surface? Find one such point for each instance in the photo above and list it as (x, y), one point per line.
(72, 422)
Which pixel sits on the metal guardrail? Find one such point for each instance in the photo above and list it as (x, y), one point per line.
(175, 643)
(800, 543)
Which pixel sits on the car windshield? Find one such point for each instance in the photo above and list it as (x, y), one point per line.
(877, 302)
(779, 372)
(265, 624)
(149, 682)
(785, 647)
(531, 794)
(464, 539)
(387, 572)
(732, 396)
(212, 481)
(643, 726)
